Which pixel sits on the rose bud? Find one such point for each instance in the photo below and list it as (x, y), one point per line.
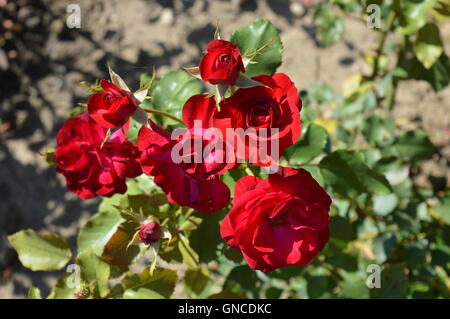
(150, 233)
(222, 64)
(112, 107)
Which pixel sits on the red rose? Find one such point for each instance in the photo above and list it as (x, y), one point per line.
(149, 233)
(113, 107)
(188, 180)
(90, 170)
(222, 64)
(276, 106)
(280, 221)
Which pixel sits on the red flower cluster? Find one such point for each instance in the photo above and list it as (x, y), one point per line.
(89, 167)
(282, 220)
(195, 182)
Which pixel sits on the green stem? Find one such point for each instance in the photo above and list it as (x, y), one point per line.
(381, 41)
(248, 171)
(162, 113)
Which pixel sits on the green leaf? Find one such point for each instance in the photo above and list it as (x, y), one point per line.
(109, 204)
(384, 246)
(384, 204)
(378, 130)
(319, 283)
(443, 209)
(413, 146)
(160, 285)
(273, 293)
(412, 14)
(47, 252)
(253, 37)
(428, 45)
(209, 228)
(231, 177)
(77, 110)
(195, 281)
(98, 230)
(394, 283)
(310, 145)
(50, 156)
(190, 257)
(441, 256)
(133, 131)
(226, 294)
(346, 172)
(342, 260)
(171, 92)
(438, 75)
(95, 272)
(34, 293)
(323, 93)
(234, 255)
(371, 156)
(285, 273)
(242, 280)
(142, 204)
(395, 171)
(416, 253)
(61, 290)
(341, 228)
(118, 251)
(314, 170)
(192, 223)
(441, 11)
(330, 27)
(353, 285)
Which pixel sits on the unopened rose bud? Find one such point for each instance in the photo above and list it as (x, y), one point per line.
(150, 233)
(82, 293)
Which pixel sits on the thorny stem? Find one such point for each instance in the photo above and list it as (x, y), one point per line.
(162, 113)
(381, 41)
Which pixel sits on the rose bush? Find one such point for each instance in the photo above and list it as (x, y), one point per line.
(238, 228)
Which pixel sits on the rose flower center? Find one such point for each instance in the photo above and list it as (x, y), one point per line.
(278, 220)
(260, 115)
(225, 59)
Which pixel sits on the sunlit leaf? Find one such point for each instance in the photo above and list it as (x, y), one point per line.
(95, 272)
(41, 251)
(347, 174)
(160, 285)
(253, 37)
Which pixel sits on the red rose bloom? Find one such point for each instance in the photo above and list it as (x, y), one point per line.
(188, 180)
(113, 107)
(276, 106)
(222, 64)
(149, 233)
(280, 221)
(90, 170)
